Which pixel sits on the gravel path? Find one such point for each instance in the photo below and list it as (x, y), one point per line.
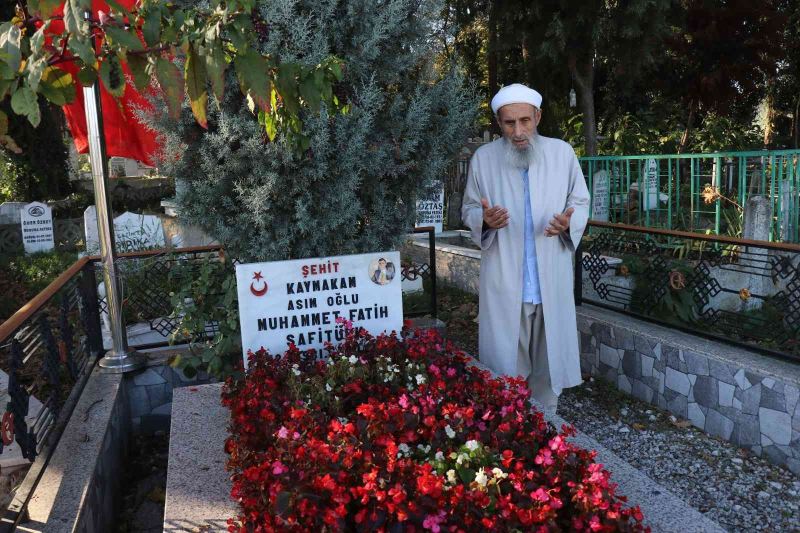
(738, 490)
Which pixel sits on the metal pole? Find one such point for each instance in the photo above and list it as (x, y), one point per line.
(120, 358)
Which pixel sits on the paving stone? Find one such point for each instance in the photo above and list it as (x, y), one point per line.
(741, 380)
(737, 404)
(643, 346)
(719, 425)
(696, 415)
(726, 391)
(721, 371)
(751, 400)
(148, 377)
(678, 406)
(677, 381)
(624, 384)
(748, 431)
(647, 365)
(609, 355)
(631, 364)
(657, 351)
(139, 401)
(705, 391)
(752, 377)
(776, 425)
(642, 391)
(624, 339)
(672, 357)
(772, 399)
(792, 394)
(768, 382)
(696, 363)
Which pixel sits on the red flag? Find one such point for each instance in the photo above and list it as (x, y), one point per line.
(125, 135)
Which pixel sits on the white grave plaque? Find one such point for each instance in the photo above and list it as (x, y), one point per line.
(299, 301)
(36, 220)
(132, 232)
(430, 209)
(600, 196)
(650, 194)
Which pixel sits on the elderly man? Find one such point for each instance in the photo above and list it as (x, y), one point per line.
(526, 204)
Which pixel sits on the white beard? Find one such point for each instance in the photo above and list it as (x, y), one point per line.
(520, 158)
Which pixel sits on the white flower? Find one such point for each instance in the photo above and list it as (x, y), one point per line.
(498, 474)
(461, 458)
(473, 445)
(296, 369)
(480, 478)
(439, 456)
(328, 387)
(451, 476)
(353, 359)
(420, 379)
(449, 431)
(404, 449)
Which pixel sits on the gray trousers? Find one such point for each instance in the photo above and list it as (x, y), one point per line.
(532, 356)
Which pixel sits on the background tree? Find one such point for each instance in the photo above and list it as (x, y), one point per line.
(353, 189)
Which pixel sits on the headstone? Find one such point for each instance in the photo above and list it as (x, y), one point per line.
(651, 185)
(788, 213)
(300, 301)
(132, 232)
(430, 209)
(757, 218)
(36, 220)
(600, 196)
(10, 212)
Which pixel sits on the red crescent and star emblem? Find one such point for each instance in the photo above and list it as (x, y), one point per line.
(258, 292)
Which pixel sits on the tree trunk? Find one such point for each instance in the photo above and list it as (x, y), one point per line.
(689, 124)
(770, 114)
(491, 53)
(583, 75)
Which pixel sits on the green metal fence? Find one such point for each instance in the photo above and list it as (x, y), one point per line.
(683, 191)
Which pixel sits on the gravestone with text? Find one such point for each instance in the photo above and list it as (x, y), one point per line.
(430, 209)
(306, 302)
(600, 196)
(651, 185)
(36, 221)
(132, 232)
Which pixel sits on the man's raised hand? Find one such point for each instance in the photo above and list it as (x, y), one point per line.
(494, 217)
(559, 223)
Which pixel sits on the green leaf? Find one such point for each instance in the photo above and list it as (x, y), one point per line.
(124, 38)
(44, 8)
(37, 41)
(195, 72)
(112, 76)
(215, 68)
(87, 76)
(4, 85)
(24, 102)
(83, 49)
(310, 92)
(151, 29)
(119, 7)
(270, 126)
(57, 86)
(171, 81)
(35, 70)
(74, 22)
(138, 65)
(10, 37)
(253, 73)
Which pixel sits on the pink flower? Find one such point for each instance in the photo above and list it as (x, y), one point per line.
(278, 468)
(540, 495)
(283, 433)
(403, 401)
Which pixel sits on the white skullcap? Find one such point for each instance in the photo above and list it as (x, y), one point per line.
(516, 93)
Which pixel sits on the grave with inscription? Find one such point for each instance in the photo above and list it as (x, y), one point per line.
(430, 209)
(36, 221)
(132, 232)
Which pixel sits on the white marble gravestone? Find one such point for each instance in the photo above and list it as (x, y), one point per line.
(9, 212)
(36, 222)
(651, 182)
(600, 196)
(132, 232)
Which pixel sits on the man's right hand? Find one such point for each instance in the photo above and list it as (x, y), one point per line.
(494, 217)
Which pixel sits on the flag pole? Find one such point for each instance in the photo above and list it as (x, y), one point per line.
(120, 358)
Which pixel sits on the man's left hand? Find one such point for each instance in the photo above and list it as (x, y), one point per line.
(559, 223)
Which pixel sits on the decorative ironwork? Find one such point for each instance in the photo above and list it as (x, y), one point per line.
(413, 271)
(732, 289)
(17, 406)
(66, 336)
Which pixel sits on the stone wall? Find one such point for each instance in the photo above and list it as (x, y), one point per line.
(737, 395)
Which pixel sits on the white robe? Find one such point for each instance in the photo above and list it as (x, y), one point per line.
(556, 183)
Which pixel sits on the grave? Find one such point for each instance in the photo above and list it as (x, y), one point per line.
(36, 220)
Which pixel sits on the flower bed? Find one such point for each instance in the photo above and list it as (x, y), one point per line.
(404, 435)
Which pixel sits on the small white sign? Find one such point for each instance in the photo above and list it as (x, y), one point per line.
(36, 220)
(430, 209)
(600, 196)
(298, 302)
(651, 185)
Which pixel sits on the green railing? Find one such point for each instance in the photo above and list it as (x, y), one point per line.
(672, 191)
